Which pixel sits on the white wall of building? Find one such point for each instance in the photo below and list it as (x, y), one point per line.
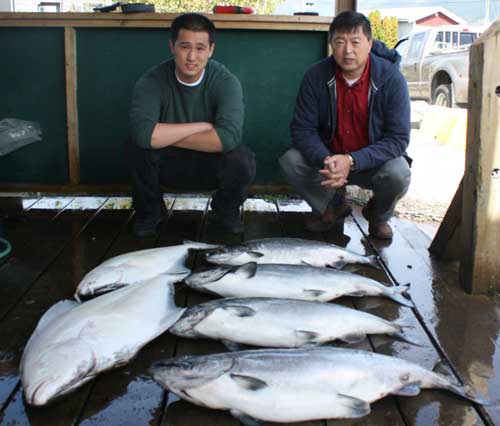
(6, 6)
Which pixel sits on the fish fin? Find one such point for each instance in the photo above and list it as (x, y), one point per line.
(240, 310)
(306, 337)
(180, 270)
(255, 254)
(409, 389)
(244, 419)
(373, 261)
(355, 293)
(398, 295)
(248, 270)
(313, 292)
(357, 407)
(198, 245)
(248, 382)
(55, 311)
(353, 337)
(232, 346)
(338, 264)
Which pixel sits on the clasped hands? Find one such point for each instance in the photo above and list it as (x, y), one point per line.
(336, 169)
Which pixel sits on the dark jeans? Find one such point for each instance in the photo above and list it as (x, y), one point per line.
(230, 173)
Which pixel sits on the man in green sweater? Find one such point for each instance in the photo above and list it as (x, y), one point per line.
(186, 120)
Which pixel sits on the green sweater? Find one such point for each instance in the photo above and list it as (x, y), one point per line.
(159, 98)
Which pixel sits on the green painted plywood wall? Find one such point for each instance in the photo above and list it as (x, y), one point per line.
(32, 87)
(269, 64)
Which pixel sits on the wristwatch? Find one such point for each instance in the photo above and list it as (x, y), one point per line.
(353, 163)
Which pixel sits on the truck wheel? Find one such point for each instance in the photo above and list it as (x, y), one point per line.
(443, 96)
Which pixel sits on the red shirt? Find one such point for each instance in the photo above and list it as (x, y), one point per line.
(352, 113)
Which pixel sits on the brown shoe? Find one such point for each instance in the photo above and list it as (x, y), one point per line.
(377, 229)
(332, 216)
(380, 231)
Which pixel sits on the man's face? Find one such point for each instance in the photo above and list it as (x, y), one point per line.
(350, 51)
(191, 51)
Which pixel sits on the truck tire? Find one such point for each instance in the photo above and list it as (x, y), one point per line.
(443, 96)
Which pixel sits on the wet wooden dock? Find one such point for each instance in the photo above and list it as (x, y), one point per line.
(57, 240)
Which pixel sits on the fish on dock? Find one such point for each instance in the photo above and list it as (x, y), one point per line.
(291, 282)
(292, 251)
(279, 323)
(73, 342)
(137, 266)
(293, 385)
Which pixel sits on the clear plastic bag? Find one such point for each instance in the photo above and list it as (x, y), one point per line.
(15, 133)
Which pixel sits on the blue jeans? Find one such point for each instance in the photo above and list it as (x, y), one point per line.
(389, 184)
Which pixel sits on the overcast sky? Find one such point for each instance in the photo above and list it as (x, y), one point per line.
(473, 11)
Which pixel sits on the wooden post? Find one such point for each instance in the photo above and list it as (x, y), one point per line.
(446, 244)
(343, 5)
(480, 259)
(71, 105)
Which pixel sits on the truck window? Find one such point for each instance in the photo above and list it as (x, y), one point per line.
(467, 38)
(447, 39)
(454, 42)
(438, 41)
(416, 45)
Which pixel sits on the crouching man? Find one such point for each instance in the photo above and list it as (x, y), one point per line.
(186, 120)
(351, 126)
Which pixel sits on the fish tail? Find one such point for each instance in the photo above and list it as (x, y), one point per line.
(400, 336)
(373, 261)
(467, 392)
(397, 294)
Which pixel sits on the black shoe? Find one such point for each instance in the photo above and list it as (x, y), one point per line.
(146, 226)
(229, 219)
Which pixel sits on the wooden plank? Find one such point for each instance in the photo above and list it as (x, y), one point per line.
(182, 413)
(71, 105)
(58, 282)
(162, 20)
(27, 189)
(36, 241)
(430, 407)
(446, 243)
(452, 316)
(343, 5)
(480, 263)
(129, 396)
(348, 235)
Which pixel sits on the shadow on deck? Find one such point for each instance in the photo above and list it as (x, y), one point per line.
(57, 240)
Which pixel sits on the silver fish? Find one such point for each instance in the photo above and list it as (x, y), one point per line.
(291, 251)
(136, 266)
(73, 342)
(279, 323)
(292, 385)
(290, 282)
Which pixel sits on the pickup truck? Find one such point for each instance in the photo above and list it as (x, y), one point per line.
(435, 63)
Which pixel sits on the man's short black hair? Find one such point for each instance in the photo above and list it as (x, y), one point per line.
(192, 22)
(349, 21)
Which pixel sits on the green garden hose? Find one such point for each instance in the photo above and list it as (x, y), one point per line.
(5, 248)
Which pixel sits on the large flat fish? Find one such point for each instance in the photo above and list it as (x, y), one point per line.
(292, 251)
(293, 385)
(73, 342)
(279, 323)
(290, 282)
(135, 267)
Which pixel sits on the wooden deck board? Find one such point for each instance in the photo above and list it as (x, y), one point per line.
(431, 406)
(385, 411)
(75, 241)
(57, 282)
